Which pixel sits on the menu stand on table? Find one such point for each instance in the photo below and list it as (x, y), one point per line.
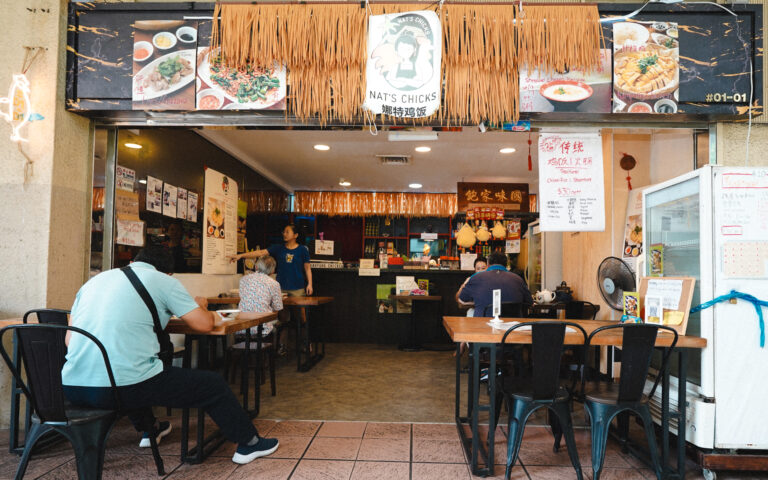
(412, 343)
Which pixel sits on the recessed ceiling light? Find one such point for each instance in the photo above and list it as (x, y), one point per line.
(132, 145)
(415, 185)
(322, 148)
(423, 149)
(143, 181)
(507, 150)
(345, 183)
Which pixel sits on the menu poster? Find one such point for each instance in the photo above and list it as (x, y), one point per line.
(125, 178)
(226, 88)
(192, 206)
(170, 198)
(154, 194)
(572, 196)
(569, 91)
(220, 213)
(130, 232)
(181, 205)
(633, 230)
(164, 64)
(646, 67)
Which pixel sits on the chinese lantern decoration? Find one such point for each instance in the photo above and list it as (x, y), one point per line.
(627, 163)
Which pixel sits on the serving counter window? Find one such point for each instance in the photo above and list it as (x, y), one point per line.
(156, 189)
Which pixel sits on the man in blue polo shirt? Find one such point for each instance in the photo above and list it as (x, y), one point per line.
(479, 289)
(110, 308)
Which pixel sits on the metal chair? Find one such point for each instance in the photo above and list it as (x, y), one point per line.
(541, 389)
(48, 316)
(580, 310)
(603, 402)
(268, 352)
(43, 352)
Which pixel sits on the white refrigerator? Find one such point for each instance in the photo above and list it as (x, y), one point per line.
(545, 259)
(712, 224)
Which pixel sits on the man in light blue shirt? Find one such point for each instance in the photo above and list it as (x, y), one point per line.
(111, 309)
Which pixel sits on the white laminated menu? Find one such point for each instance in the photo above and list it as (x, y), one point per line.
(220, 224)
(668, 290)
(468, 261)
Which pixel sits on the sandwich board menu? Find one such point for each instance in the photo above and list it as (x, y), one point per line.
(571, 185)
(220, 224)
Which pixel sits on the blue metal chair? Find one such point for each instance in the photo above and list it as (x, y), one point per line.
(603, 402)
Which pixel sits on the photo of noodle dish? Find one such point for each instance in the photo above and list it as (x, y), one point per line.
(248, 88)
(215, 219)
(164, 75)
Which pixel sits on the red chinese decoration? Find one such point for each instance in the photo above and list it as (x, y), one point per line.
(530, 164)
(627, 163)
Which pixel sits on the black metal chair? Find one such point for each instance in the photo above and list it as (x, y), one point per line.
(540, 389)
(43, 352)
(508, 310)
(48, 316)
(268, 352)
(580, 310)
(603, 402)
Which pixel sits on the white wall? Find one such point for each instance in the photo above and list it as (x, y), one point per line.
(208, 285)
(671, 154)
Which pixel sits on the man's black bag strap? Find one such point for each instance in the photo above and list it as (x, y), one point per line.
(166, 347)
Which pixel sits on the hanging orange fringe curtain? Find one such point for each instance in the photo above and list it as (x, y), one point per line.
(376, 203)
(324, 49)
(266, 201)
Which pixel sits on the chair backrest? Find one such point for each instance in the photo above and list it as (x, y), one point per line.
(42, 352)
(508, 310)
(581, 310)
(637, 345)
(547, 350)
(50, 316)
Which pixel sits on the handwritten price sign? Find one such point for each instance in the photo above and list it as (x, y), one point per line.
(571, 182)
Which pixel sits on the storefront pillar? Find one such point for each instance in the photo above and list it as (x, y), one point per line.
(44, 221)
(732, 145)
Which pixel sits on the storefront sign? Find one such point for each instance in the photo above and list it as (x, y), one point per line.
(507, 196)
(220, 212)
(403, 64)
(646, 67)
(571, 182)
(130, 232)
(125, 178)
(126, 205)
(324, 247)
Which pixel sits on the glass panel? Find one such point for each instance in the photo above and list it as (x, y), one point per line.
(98, 200)
(534, 260)
(672, 219)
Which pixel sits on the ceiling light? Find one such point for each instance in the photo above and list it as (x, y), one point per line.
(415, 185)
(143, 181)
(344, 183)
(423, 149)
(132, 145)
(507, 150)
(322, 148)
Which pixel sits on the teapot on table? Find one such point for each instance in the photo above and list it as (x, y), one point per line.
(544, 297)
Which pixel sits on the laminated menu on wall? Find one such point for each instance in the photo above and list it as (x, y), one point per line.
(571, 189)
(220, 224)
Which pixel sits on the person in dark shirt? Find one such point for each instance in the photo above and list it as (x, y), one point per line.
(479, 289)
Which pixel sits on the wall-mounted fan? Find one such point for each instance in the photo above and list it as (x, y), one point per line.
(614, 277)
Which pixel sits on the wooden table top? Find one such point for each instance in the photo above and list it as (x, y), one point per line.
(293, 301)
(477, 330)
(416, 297)
(242, 321)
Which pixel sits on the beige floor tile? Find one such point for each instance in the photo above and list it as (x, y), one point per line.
(323, 470)
(554, 473)
(264, 426)
(387, 430)
(439, 471)
(213, 468)
(332, 448)
(291, 447)
(435, 431)
(385, 449)
(342, 429)
(438, 451)
(381, 471)
(295, 428)
(264, 469)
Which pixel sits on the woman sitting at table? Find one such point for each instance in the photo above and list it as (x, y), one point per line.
(261, 293)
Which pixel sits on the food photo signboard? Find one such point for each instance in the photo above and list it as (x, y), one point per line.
(646, 67)
(164, 64)
(570, 91)
(220, 224)
(220, 87)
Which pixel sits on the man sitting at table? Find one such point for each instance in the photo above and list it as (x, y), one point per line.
(110, 308)
(479, 289)
(261, 293)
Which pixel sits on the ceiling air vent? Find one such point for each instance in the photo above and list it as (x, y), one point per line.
(394, 159)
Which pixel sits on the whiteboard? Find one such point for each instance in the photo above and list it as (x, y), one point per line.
(571, 188)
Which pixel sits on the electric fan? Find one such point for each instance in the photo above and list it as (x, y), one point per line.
(614, 277)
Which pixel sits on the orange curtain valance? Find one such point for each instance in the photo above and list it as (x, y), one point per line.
(266, 201)
(373, 203)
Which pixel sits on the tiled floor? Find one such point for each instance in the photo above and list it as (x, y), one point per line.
(314, 450)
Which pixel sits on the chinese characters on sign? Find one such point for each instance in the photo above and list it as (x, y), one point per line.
(571, 182)
(509, 196)
(403, 64)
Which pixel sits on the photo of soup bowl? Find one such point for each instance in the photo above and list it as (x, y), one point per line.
(565, 95)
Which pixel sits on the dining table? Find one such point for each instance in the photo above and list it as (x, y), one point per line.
(480, 334)
(308, 352)
(242, 322)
